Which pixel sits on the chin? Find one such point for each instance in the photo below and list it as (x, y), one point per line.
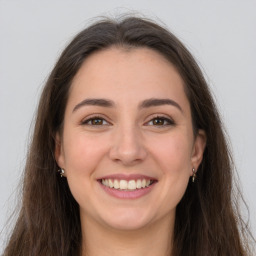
(127, 220)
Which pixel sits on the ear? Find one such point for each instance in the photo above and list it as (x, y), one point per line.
(198, 149)
(58, 153)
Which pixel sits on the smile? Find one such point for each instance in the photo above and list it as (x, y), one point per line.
(131, 186)
(127, 184)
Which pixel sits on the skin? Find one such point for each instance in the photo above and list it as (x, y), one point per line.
(156, 141)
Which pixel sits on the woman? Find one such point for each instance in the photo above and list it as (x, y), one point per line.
(128, 155)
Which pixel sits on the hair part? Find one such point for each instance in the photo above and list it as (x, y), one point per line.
(207, 222)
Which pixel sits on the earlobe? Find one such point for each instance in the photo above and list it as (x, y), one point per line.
(58, 153)
(198, 149)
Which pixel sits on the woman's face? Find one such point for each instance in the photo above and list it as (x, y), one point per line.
(128, 147)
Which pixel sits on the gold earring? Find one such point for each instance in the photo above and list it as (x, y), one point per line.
(61, 171)
(194, 175)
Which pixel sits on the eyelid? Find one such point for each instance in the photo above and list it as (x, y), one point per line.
(92, 117)
(162, 117)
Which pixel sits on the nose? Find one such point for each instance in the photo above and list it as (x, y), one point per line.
(127, 146)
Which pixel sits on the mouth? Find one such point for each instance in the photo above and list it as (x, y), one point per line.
(123, 186)
(127, 185)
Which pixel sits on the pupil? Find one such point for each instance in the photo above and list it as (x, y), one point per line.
(97, 121)
(158, 121)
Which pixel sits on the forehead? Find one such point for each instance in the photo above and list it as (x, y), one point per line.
(127, 74)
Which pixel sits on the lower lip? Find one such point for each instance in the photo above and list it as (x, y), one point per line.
(127, 194)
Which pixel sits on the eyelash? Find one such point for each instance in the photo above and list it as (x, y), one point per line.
(91, 119)
(166, 121)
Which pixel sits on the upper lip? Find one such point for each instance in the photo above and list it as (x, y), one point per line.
(121, 176)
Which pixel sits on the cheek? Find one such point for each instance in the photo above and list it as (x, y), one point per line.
(83, 153)
(176, 170)
(173, 154)
(82, 157)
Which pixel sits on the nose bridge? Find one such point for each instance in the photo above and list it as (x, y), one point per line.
(127, 146)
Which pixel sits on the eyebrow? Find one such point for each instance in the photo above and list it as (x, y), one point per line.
(94, 102)
(154, 102)
(159, 102)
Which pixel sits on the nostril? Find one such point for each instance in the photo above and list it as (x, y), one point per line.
(128, 153)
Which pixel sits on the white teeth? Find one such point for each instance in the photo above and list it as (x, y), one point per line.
(131, 185)
(126, 185)
(116, 184)
(110, 183)
(123, 184)
(138, 184)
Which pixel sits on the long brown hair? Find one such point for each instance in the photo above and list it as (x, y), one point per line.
(207, 220)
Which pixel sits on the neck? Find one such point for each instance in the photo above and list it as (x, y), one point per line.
(153, 240)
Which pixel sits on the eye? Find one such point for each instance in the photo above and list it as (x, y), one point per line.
(160, 121)
(95, 121)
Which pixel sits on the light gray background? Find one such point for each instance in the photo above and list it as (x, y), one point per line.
(221, 35)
